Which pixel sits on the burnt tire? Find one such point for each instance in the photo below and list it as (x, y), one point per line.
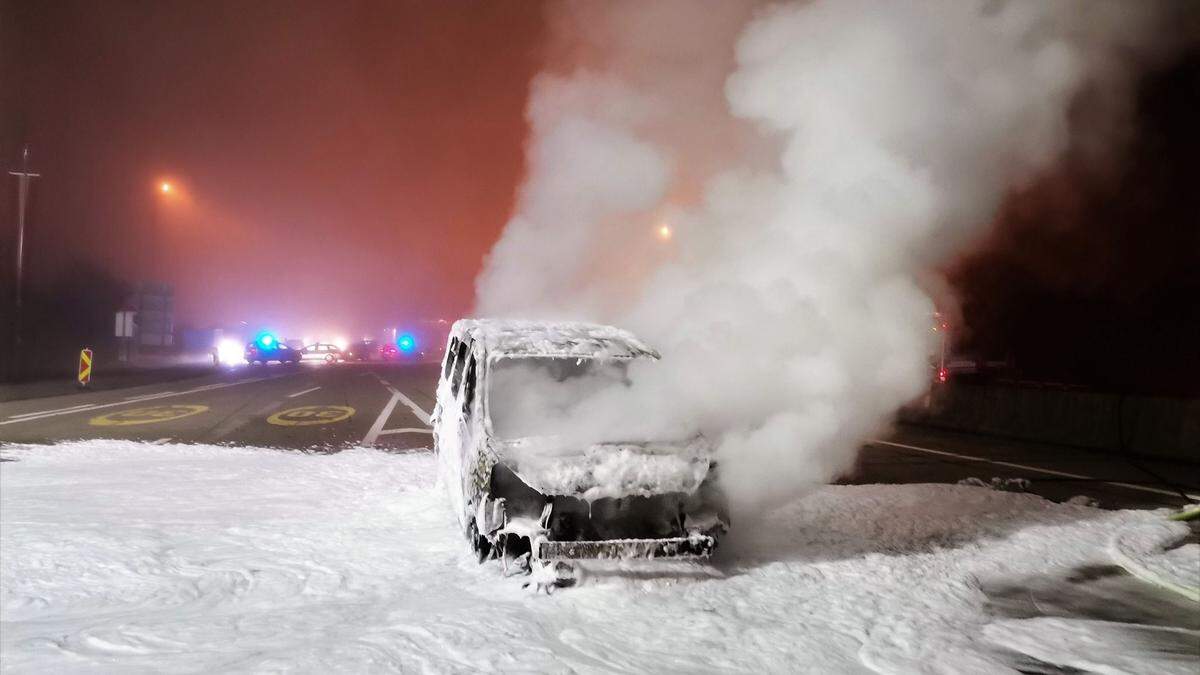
(479, 543)
(515, 550)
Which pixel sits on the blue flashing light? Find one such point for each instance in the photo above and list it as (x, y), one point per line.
(406, 343)
(266, 340)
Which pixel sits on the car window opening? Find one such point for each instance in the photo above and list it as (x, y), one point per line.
(544, 396)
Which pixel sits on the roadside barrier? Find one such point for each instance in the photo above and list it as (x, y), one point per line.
(1137, 425)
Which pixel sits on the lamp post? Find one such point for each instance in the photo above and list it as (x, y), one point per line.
(168, 193)
(23, 178)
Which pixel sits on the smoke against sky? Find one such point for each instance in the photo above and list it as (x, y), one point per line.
(816, 161)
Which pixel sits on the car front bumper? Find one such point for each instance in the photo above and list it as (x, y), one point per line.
(695, 546)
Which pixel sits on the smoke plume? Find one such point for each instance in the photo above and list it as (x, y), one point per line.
(764, 192)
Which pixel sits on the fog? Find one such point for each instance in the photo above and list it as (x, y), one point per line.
(766, 194)
(326, 157)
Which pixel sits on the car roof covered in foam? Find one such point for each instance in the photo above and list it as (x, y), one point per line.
(526, 338)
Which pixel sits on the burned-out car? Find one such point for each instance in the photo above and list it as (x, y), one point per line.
(527, 489)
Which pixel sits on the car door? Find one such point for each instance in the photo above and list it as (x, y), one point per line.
(452, 436)
(475, 477)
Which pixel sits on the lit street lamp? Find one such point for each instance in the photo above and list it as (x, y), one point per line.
(167, 194)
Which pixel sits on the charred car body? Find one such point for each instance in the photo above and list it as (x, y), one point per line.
(523, 491)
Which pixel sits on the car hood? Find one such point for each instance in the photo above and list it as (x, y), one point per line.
(608, 470)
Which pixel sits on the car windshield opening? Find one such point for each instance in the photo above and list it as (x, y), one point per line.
(545, 396)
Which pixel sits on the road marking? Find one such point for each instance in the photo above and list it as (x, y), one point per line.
(309, 415)
(208, 387)
(384, 414)
(141, 397)
(160, 441)
(385, 432)
(1026, 467)
(59, 410)
(301, 393)
(150, 415)
(417, 411)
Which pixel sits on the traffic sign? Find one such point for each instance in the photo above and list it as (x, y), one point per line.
(85, 367)
(124, 323)
(311, 414)
(150, 415)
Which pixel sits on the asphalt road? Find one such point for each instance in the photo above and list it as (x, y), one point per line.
(921, 455)
(303, 407)
(386, 405)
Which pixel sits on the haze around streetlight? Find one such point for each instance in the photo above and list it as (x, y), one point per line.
(346, 165)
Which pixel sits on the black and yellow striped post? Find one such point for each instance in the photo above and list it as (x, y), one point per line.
(85, 367)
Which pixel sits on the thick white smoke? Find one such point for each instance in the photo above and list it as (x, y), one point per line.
(813, 161)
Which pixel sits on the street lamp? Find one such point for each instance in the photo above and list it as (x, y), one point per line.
(664, 232)
(23, 178)
(167, 195)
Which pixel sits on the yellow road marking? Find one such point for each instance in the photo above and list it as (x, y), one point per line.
(150, 415)
(309, 415)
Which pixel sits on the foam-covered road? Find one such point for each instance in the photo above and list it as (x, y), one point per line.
(384, 405)
(128, 557)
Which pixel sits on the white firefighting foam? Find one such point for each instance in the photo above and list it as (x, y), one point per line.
(141, 558)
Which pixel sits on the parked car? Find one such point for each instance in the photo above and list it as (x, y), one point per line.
(322, 352)
(528, 494)
(363, 350)
(264, 351)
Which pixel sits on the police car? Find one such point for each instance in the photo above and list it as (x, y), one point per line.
(322, 352)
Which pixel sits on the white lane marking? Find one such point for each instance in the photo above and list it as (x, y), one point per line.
(1026, 467)
(160, 441)
(377, 427)
(417, 411)
(301, 393)
(396, 396)
(385, 432)
(55, 413)
(144, 396)
(58, 410)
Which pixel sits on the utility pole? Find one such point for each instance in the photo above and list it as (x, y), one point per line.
(23, 178)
